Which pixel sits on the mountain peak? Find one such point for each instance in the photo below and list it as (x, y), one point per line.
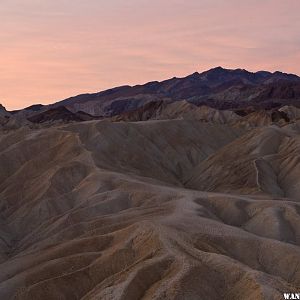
(217, 70)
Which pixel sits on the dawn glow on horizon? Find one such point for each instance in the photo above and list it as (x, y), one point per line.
(51, 50)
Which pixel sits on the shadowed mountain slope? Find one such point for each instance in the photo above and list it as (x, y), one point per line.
(217, 88)
(59, 114)
(177, 110)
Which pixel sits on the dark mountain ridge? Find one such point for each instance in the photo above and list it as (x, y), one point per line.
(217, 88)
(60, 113)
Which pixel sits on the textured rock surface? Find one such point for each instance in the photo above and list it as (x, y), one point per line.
(164, 209)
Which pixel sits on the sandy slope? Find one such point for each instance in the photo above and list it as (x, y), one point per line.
(175, 209)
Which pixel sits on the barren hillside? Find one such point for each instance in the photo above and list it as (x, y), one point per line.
(158, 209)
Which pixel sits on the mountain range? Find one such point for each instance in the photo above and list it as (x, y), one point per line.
(218, 88)
(176, 190)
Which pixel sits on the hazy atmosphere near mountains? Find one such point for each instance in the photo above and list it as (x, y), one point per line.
(52, 49)
(149, 150)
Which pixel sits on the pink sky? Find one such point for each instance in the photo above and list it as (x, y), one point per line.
(53, 49)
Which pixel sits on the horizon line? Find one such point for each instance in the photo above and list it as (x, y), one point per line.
(146, 82)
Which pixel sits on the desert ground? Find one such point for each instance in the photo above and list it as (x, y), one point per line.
(176, 208)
